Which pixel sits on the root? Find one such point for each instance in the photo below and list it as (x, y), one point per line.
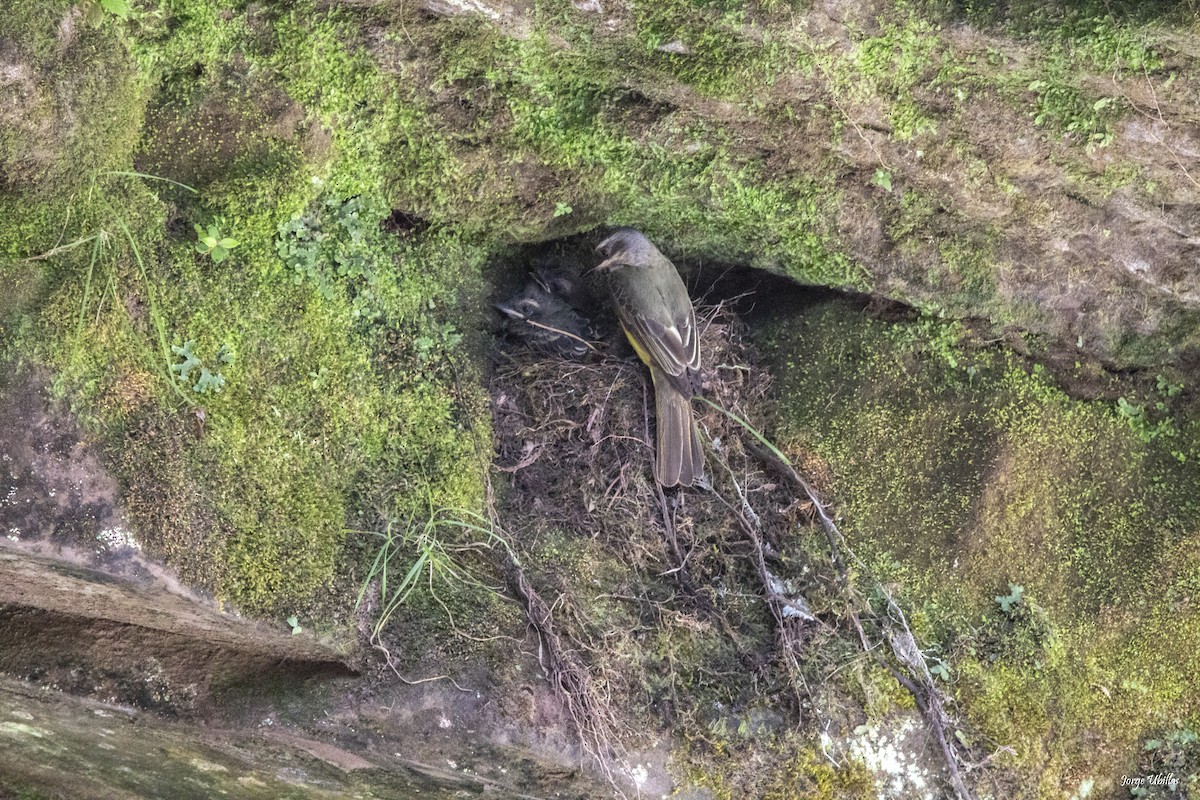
(588, 707)
(910, 668)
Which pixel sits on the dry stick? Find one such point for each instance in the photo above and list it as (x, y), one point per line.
(568, 334)
(904, 647)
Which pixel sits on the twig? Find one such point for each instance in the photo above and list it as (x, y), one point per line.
(927, 696)
(568, 334)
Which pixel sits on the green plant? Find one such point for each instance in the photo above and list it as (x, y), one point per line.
(425, 552)
(336, 245)
(1166, 388)
(435, 345)
(208, 382)
(934, 336)
(1174, 760)
(1009, 602)
(94, 10)
(294, 622)
(213, 244)
(1138, 418)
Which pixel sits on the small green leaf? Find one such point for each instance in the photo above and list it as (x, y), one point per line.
(190, 361)
(882, 179)
(1013, 598)
(118, 7)
(208, 382)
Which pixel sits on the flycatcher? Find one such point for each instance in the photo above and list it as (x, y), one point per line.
(565, 283)
(657, 316)
(547, 324)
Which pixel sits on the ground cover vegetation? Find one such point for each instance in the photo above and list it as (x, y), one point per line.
(255, 246)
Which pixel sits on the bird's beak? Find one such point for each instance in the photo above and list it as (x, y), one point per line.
(612, 262)
(510, 311)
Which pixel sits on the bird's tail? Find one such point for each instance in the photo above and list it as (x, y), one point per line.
(680, 461)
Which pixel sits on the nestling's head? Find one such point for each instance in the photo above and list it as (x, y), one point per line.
(531, 301)
(627, 247)
(562, 281)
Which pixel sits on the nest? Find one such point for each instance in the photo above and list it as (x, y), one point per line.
(577, 440)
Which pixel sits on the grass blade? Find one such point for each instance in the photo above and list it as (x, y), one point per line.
(132, 174)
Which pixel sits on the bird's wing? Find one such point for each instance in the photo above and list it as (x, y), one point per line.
(672, 346)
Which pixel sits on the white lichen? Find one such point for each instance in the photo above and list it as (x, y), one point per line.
(893, 751)
(117, 538)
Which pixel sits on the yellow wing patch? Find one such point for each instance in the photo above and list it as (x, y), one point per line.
(637, 348)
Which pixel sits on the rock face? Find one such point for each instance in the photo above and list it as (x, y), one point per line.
(1040, 170)
(58, 746)
(1030, 166)
(136, 644)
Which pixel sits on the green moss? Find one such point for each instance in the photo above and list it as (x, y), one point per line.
(74, 109)
(335, 403)
(809, 775)
(959, 471)
(785, 766)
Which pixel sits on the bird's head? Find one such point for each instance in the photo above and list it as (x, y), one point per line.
(529, 302)
(559, 280)
(627, 247)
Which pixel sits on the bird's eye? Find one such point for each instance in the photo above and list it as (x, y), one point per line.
(527, 307)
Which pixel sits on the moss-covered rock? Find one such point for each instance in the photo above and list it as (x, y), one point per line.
(1046, 542)
(997, 164)
(71, 107)
(259, 405)
(1028, 166)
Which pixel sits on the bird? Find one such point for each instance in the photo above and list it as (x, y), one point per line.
(547, 323)
(656, 313)
(565, 283)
